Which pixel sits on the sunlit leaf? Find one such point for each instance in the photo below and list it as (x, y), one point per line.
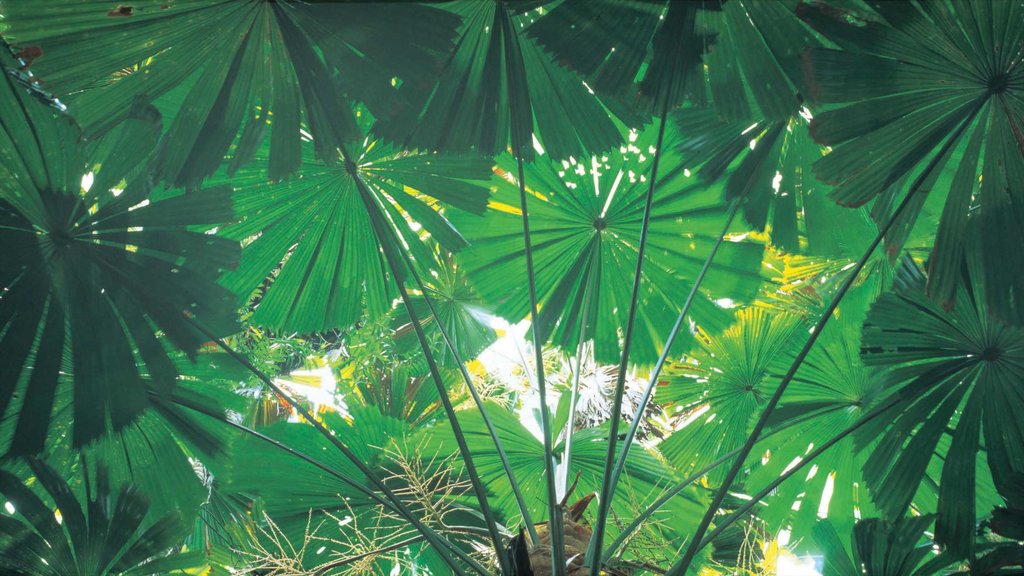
(585, 220)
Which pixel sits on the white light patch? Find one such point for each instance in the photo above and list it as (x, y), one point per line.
(9, 507)
(826, 495)
(87, 179)
(142, 204)
(536, 145)
(611, 193)
(790, 564)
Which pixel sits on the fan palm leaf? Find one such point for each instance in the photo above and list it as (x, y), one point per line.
(585, 223)
(956, 369)
(497, 77)
(831, 392)
(880, 548)
(247, 66)
(461, 313)
(104, 274)
(628, 50)
(103, 535)
(312, 235)
(908, 75)
(725, 388)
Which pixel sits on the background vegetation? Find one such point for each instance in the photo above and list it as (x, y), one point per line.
(512, 287)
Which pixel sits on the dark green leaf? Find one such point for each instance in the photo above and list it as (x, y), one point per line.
(249, 62)
(907, 78)
(956, 369)
(105, 276)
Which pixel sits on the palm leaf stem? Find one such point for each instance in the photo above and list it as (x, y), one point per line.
(684, 563)
(746, 507)
(574, 393)
(556, 529)
(593, 557)
(652, 381)
(306, 458)
(491, 430)
(386, 233)
(676, 489)
(442, 546)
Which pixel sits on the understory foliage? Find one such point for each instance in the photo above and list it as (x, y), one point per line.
(517, 287)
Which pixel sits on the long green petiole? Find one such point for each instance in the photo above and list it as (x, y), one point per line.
(607, 485)
(386, 234)
(556, 531)
(652, 381)
(676, 489)
(491, 430)
(574, 392)
(554, 511)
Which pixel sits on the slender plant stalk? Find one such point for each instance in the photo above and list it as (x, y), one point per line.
(491, 430)
(574, 393)
(386, 233)
(739, 512)
(593, 556)
(652, 381)
(302, 456)
(438, 543)
(556, 531)
(555, 520)
(675, 490)
(683, 564)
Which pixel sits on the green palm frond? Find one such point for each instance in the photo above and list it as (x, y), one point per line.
(628, 50)
(725, 388)
(248, 67)
(312, 235)
(832, 391)
(720, 392)
(497, 76)
(881, 548)
(108, 533)
(103, 274)
(955, 372)
(908, 75)
(586, 222)
(461, 313)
